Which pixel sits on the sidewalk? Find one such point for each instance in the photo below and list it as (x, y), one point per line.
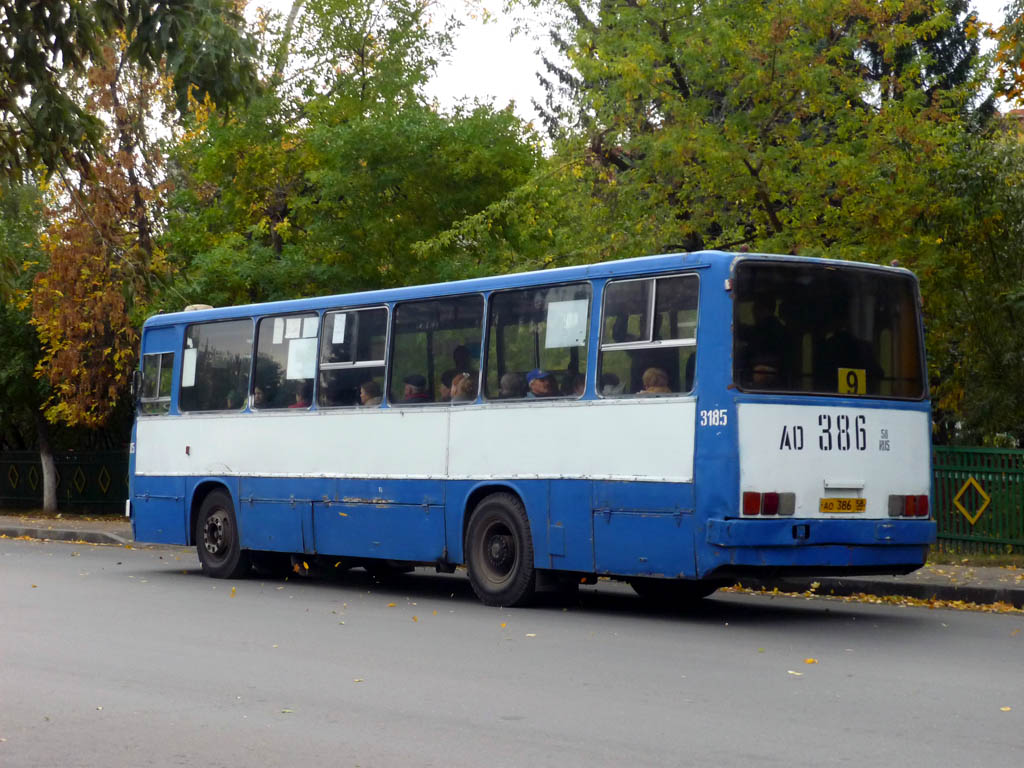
(984, 585)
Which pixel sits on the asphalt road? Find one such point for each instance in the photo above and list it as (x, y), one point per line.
(129, 657)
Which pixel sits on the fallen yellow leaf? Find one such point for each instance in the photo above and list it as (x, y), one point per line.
(391, 605)
(504, 624)
(415, 619)
(810, 661)
(797, 674)
(1005, 709)
(233, 592)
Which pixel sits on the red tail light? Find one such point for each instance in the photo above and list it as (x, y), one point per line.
(908, 506)
(769, 504)
(751, 503)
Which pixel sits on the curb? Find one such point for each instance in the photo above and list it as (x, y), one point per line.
(65, 534)
(841, 587)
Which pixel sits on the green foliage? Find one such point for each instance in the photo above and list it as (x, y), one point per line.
(21, 221)
(973, 285)
(327, 182)
(199, 43)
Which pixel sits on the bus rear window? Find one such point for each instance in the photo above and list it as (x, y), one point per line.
(826, 330)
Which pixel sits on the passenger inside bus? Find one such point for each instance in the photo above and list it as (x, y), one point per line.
(541, 383)
(369, 393)
(512, 386)
(464, 388)
(303, 394)
(415, 390)
(655, 381)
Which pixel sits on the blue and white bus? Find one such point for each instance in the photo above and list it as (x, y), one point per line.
(674, 421)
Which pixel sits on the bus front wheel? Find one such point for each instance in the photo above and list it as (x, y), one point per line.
(499, 551)
(217, 541)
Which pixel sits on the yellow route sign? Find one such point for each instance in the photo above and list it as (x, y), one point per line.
(971, 482)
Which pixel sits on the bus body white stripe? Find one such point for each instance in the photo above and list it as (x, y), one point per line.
(649, 440)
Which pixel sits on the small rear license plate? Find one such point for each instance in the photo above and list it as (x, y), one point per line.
(842, 506)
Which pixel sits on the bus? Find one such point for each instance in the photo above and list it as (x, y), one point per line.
(677, 422)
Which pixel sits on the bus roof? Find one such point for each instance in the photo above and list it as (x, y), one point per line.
(634, 266)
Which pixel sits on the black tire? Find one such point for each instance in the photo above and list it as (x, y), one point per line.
(499, 551)
(678, 593)
(217, 540)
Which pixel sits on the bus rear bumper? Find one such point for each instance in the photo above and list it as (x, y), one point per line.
(815, 532)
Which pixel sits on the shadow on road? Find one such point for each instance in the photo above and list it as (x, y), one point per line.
(607, 598)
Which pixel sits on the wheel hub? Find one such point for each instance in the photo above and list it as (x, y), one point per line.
(213, 533)
(500, 552)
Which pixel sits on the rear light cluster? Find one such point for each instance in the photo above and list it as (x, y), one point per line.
(768, 504)
(908, 506)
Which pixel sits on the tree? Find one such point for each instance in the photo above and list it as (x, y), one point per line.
(973, 289)
(326, 182)
(101, 251)
(1010, 52)
(198, 43)
(21, 221)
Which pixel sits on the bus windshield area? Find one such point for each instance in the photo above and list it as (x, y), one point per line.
(820, 329)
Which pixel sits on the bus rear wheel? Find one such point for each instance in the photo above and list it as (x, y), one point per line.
(673, 592)
(217, 540)
(499, 551)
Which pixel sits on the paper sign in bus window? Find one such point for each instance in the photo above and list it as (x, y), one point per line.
(853, 381)
(292, 327)
(278, 330)
(567, 324)
(188, 368)
(338, 334)
(301, 359)
(309, 327)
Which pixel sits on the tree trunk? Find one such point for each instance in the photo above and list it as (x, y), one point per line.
(49, 465)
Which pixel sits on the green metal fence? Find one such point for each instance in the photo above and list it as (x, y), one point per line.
(87, 482)
(979, 499)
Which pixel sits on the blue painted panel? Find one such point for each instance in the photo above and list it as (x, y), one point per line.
(570, 526)
(271, 512)
(643, 497)
(644, 544)
(836, 556)
(159, 510)
(390, 531)
(160, 340)
(391, 491)
(795, 532)
(273, 525)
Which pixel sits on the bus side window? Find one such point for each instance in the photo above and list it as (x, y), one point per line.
(432, 343)
(157, 373)
(537, 342)
(352, 356)
(649, 336)
(285, 362)
(215, 366)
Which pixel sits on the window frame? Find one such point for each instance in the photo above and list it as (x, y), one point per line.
(651, 342)
(392, 349)
(252, 320)
(344, 366)
(305, 313)
(159, 399)
(485, 341)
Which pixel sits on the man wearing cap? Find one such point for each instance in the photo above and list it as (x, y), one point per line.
(541, 383)
(415, 389)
